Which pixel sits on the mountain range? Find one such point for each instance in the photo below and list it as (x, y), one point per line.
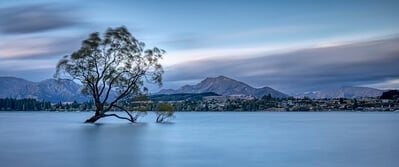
(225, 86)
(66, 91)
(48, 90)
(349, 92)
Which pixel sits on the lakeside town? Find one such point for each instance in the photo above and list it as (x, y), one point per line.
(268, 103)
(196, 102)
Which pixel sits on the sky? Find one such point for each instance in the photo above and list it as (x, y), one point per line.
(291, 46)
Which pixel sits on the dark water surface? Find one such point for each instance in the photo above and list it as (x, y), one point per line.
(202, 139)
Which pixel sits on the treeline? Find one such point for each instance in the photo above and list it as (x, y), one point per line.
(261, 104)
(9, 104)
(218, 103)
(29, 104)
(268, 103)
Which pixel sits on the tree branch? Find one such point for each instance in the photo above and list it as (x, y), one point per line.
(125, 93)
(127, 112)
(117, 116)
(110, 86)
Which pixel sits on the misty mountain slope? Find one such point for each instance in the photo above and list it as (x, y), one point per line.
(47, 90)
(17, 88)
(344, 92)
(62, 90)
(224, 86)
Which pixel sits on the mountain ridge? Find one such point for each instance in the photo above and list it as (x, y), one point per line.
(225, 86)
(67, 91)
(349, 92)
(48, 90)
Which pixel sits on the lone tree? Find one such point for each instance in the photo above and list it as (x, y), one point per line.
(112, 69)
(164, 112)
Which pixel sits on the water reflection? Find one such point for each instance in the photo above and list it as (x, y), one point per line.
(110, 145)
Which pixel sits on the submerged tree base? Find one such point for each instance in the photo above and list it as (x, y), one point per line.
(93, 119)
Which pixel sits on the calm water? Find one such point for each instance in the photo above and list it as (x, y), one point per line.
(202, 139)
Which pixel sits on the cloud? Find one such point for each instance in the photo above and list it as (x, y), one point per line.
(388, 84)
(34, 58)
(27, 65)
(269, 31)
(264, 48)
(185, 41)
(35, 18)
(352, 64)
(194, 40)
(37, 47)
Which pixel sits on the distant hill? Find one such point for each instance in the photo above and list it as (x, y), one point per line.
(225, 86)
(390, 94)
(343, 92)
(17, 88)
(66, 91)
(181, 96)
(48, 90)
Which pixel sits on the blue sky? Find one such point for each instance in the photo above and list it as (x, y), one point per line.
(252, 41)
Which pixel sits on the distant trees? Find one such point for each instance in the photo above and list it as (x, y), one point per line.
(9, 104)
(112, 68)
(141, 105)
(29, 104)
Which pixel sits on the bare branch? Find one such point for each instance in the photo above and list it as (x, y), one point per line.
(127, 112)
(117, 116)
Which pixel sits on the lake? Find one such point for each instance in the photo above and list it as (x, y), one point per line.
(202, 139)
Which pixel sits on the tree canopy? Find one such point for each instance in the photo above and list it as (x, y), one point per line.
(164, 111)
(112, 68)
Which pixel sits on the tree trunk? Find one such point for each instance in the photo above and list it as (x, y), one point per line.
(93, 119)
(99, 113)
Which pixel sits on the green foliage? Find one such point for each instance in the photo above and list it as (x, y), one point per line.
(164, 112)
(165, 107)
(112, 68)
